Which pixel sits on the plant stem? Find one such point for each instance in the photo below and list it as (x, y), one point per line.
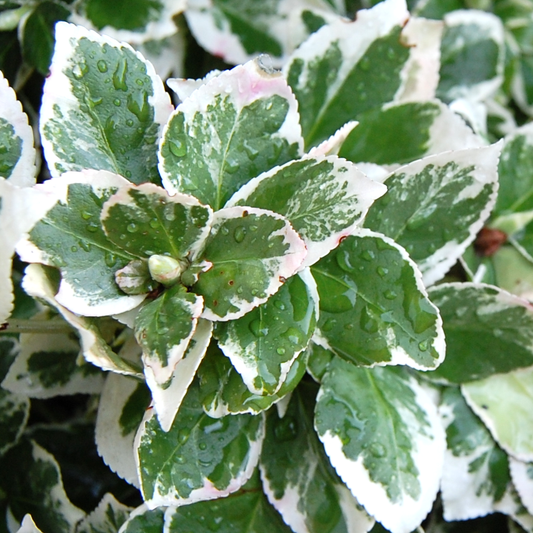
(19, 325)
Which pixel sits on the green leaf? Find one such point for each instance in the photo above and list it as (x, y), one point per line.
(263, 344)
(245, 511)
(476, 471)
(200, 457)
(487, 330)
(39, 282)
(434, 207)
(223, 391)
(167, 397)
(146, 221)
(298, 478)
(399, 133)
(164, 327)
(103, 106)
(324, 198)
(120, 411)
(236, 126)
(17, 154)
(345, 69)
(504, 404)
(143, 520)
(106, 518)
(37, 34)
(514, 169)
(382, 434)
(250, 253)
(238, 30)
(48, 365)
(374, 308)
(318, 360)
(39, 491)
(472, 55)
(70, 237)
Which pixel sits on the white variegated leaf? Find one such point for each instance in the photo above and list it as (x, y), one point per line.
(17, 154)
(28, 526)
(522, 475)
(108, 516)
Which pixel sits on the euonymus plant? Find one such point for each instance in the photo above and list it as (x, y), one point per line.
(283, 290)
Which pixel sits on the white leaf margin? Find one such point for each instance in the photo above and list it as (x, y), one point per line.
(522, 476)
(25, 171)
(28, 525)
(98, 517)
(428, 454)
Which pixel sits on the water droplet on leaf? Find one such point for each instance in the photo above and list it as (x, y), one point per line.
(177, 147)
(286, 428)
(102, 65)
(131, 228)
(239, 234)
(258, 328)
(119, 76)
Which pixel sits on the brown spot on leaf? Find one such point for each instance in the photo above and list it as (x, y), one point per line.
(489, 241)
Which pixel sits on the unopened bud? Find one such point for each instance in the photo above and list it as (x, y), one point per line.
(164, 269)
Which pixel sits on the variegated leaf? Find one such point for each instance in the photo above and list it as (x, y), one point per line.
(238, 30)
(41, 282)
(223, 391)
(17, 154)
(504, 403)
(120, 412)
(146, 221)
(250, 253)
(106, 518)
(20, 209)
(476, 471)
(245, 511)
(400, 133)
(70, 237)
(167, 397)
(48, 365)
(374, 308)
(263, 344)
(345, 68)
(135, 23)
(434, 207)
(522, 476)
(298, 478)
(472, 55)
(103, 107)
(324, 198)
(40, 491)
(487, 330)
(382, 434)
(164, 327)
(236, 126)
(28, 525)
(144, 520)
(199, 458)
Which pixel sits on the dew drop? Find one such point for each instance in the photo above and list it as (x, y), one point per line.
(377, 450)
(258, 329)
(154, 223)
(59, 262)
(280, 351)
(231, 166)
(131, 228)
(382, 271)
(84, 245)
(368, 255)
(179, 459)
(294, 335)
(117, 102)
(224, 230)
(250, 150)
(415, 223)
(391, 54)
(86, 215)
(177, 148)
(119, 76)
(364, 64)
(239, 234)
(138, 105)
(73, 248)
(92, 227)
(128, 173)
(93, 102)
(279, 305)
(343, 260)
(202, 446)
(102, 65)
(329, 324)
(169, 213)
(80, 69)
(389, 294)
(368, 322)
(423, 346)
(110, 259)
(183, 435)
(129, 122)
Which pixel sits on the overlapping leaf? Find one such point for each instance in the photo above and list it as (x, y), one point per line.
(298, 478)
(120, 412)
(236, 126)
(324, 198)
(143, 520)
(199, 458)
(263, 344)
(382, 434)
(476, 471)
(251, 252)
(504, 403)
(345, 69)
(434, 207)
(399, 133)
(103, 106)
(71, 238)
(487, 331)
(223, 391)
(373, 306)
(106, 518)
